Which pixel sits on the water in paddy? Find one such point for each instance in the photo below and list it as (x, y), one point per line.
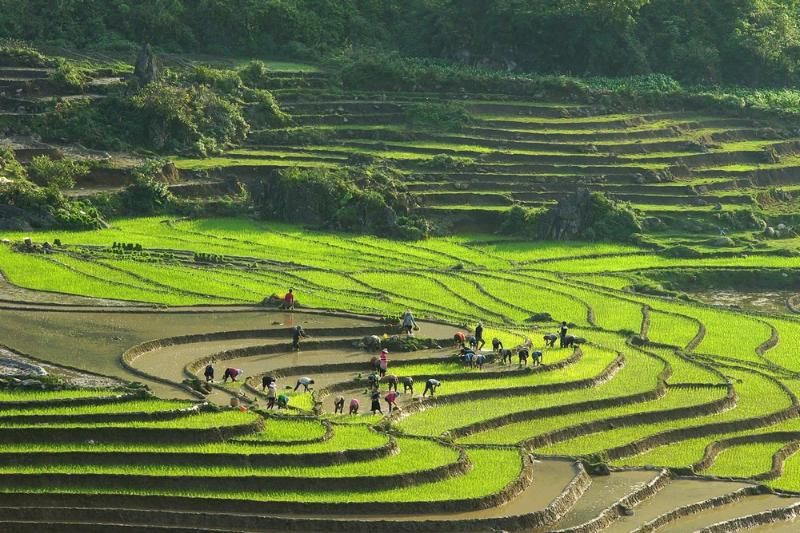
(746, 506)
(763, 301)
(94, 341)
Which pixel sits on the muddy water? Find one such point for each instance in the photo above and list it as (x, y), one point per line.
(550, 478)
(676, 494)
(603, 493)
(94, 341)
(778, 527)
(744, 507)
(764, 301)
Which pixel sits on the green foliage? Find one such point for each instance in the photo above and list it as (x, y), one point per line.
(609, 220)
(19, 54)
(69, 76)
(147, 194)
(363, 200)
(10, 168)
(59, 173)
(438, 116)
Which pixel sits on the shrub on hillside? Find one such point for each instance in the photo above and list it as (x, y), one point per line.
(18, 54)
(447, 116)
(68, 76)
(59, 173)
(147, 194)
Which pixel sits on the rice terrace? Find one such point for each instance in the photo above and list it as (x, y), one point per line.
(338, 265)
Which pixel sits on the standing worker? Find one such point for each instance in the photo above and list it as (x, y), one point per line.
(288, 300)
(209, 373)
(297, 333)
(562, 333)
(272, 394)
(479, 336)
(408, 322)
(376, 402)
(384, 362)
(431, 385)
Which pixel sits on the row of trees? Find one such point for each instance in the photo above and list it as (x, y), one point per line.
(751, 42)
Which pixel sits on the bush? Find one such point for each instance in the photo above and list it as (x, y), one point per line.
(10, 168)
(147, 194)
(70, 77)
(448, 116)
(59, 173)
(18, 54)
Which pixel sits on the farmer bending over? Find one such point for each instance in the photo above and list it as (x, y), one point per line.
(338, 405)
(376, 402)
(283, 401)
(431, 385)
(497, 345)
(480, 359)
(232, 373)
(265, 382)
(354, 405)
(408, 384)
(505, 355)
(459, 339)
(391, 400)
(392, 380)
(550, 340)
(523, 356)
(305, 382)
(537, 358)
(209, 373)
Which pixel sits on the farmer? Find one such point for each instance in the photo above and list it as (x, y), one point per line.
(523, 354)
(266, 381)
(232, 373)
(562, 333)
(408, 384)
(479, 335)
(376, 402)
(373, 380)
(459, 339)
(392, 380)
(283, 401)
(497, 345)
(354, 405)
(383, 362)
(272, 394)
(431, 385)
(505, 354)
(338, 405)
(408, 322)
(480, 359)
(537, 358)
(473, 342)
(209, 373)
(297, 333)
(288, 300)
(468, 355)
(569, 341)
(305, 382)
(391, 400)
(550, 340)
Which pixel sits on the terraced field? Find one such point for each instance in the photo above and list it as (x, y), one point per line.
(660, 383)
(691, 405)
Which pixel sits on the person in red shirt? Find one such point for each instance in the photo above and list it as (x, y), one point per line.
(459, 339)
(288, 300)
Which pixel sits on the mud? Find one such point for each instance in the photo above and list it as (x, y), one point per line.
(603, 493)
(746, 506)
(676, 494)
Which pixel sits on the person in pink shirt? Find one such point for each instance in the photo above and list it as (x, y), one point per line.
(391, 400)
(384, 362)
(354, 405)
